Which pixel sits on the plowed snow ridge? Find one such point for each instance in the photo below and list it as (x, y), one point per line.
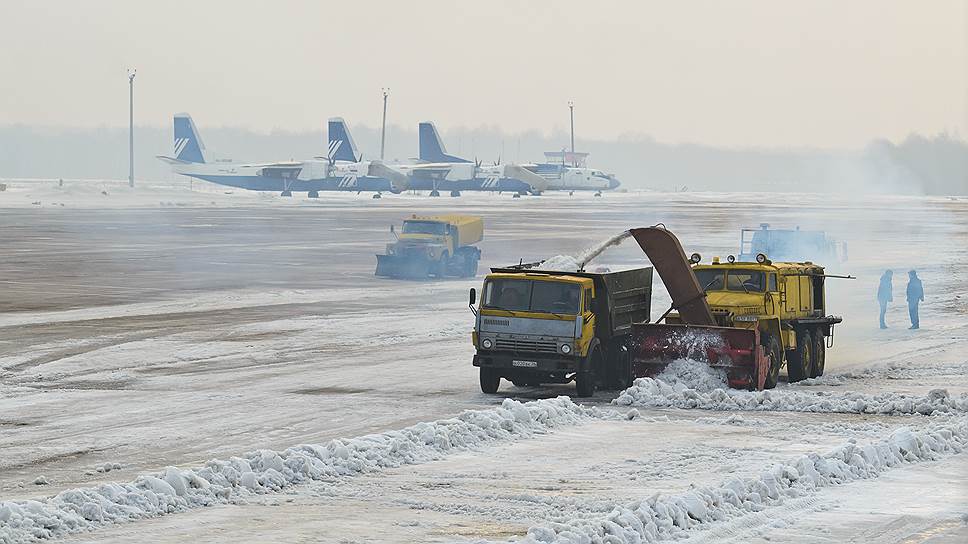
(664, 517)
(693, 385)
(266, 471)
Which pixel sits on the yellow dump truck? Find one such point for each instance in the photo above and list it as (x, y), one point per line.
(535, 327)
(433, 245)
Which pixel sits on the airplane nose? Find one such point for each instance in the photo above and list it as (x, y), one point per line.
(613, 183)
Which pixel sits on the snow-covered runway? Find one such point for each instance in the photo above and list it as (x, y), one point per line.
(166, 329)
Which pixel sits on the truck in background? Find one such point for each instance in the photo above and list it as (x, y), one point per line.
(433, 245)
(790, 245)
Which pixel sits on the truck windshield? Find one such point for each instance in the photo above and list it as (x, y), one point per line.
(746, 280)
(714, 279)
(710, 279)
(424, 227)
(532, 296)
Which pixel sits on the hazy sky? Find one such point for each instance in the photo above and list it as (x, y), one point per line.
(736, 73)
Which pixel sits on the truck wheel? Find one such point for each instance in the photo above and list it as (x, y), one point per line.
(819, 353)
(585, 384)
(490, 381)
(620, 368)
(585, 379)
(470, 266)
(800, 362)
(775, 354)
(440, 267)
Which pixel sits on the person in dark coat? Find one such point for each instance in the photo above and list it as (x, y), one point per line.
(885, 293)
(915, 294)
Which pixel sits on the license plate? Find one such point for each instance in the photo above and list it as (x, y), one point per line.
(529, 364)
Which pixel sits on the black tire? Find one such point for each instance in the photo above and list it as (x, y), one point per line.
(775, 355)
(470, 266)
(440, 267)
(585, 379)
(800, 362)
(620, 368)
(585, 384)
(490, 381)
(819, 353)
(467, 258)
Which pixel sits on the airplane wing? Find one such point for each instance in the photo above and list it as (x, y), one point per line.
(279, 169)
(171, 160)
(399, 181)
(537, 183)
(432, 169)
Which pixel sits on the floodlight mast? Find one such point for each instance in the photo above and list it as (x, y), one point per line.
(383, 132)
(131, 74)
(571, 111)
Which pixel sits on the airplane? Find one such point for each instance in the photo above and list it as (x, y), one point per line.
(462, 174)
(342, 169)
(577, 177)
(436, 170)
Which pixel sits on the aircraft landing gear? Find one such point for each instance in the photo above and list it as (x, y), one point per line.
(377, 195)
(455, 193)
(599, 193)
(516, 195)
(571, 193)
(435, 192)
(313, 194)
(287, 192)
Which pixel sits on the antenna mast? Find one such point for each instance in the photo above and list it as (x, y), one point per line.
(571, 110)
(383, 132)
(131, 74)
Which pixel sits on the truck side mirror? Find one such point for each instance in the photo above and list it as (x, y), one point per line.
(473, 297)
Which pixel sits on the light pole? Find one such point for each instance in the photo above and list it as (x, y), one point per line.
(131, 74)
(571, 110)
(383, 133)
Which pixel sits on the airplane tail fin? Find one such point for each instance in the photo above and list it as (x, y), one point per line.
(341, 144)
(188, 144)
(431, 147)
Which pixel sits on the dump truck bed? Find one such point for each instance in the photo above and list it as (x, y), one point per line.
(470, 228)
(627, 296)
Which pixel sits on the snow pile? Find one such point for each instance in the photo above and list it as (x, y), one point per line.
(666, 517)
(692, 375)
(265, 471)
(690, 384)
(571, 263)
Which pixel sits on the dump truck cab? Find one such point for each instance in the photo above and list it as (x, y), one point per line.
(534, 327)
(435, 245)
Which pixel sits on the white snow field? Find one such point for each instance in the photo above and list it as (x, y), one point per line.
(222, 366)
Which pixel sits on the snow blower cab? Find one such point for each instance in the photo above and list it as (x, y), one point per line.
(746, 318)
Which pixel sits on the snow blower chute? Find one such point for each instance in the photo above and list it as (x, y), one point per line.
(691, 330)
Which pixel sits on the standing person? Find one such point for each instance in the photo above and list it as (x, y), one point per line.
(915, 294)
(885, 293)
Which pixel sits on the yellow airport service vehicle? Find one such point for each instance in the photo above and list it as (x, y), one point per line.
(536, 326)
(433, 245)
(746, 318)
